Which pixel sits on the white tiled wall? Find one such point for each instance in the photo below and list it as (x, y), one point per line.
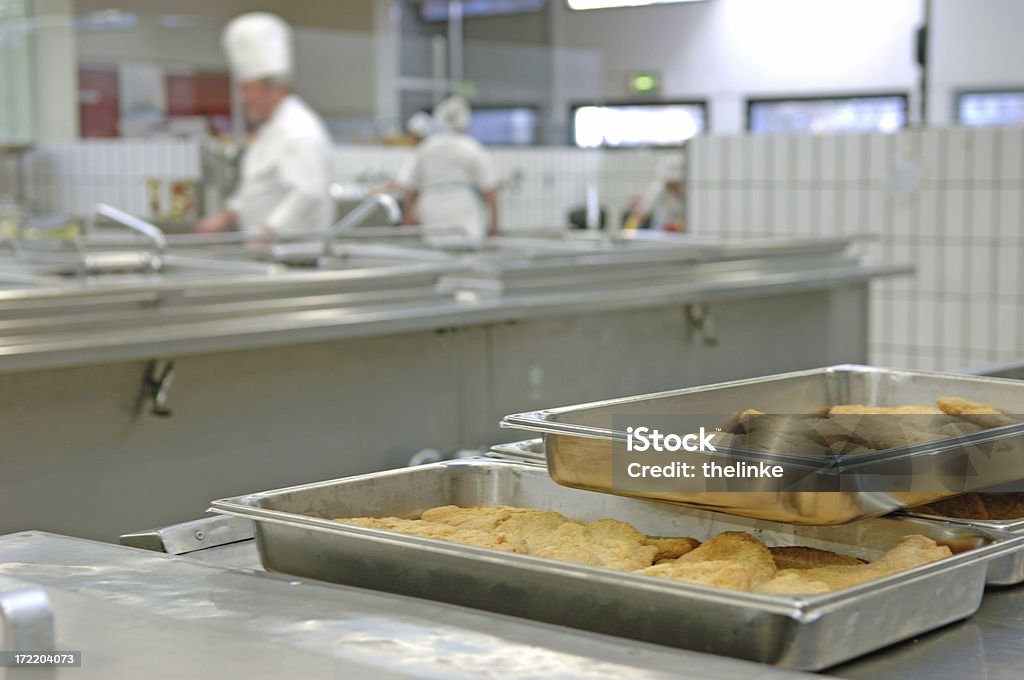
(71, 177)
(538, 186)
(949, 201)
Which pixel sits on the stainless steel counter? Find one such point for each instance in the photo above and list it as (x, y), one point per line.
(134, 614)
(302, 375)
(217, 302)
(210, 614)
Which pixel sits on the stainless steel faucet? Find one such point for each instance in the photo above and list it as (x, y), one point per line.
(150, 231)
(358, 214)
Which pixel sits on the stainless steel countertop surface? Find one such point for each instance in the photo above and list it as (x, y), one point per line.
(135, 613)
(214, 614)
(33, 349)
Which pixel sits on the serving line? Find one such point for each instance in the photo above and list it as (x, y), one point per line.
(283, 327)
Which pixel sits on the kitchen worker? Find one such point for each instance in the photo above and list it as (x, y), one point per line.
(419, 126)
(451, 186)
(662, 202)
(283, 184)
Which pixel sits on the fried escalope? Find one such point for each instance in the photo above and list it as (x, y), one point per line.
(734, 560)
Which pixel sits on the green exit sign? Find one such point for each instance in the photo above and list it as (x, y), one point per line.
(645, 82)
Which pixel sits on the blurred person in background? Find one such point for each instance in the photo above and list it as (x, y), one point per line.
(284, 174)
(451, 185)
(661, 207)
(419, 126)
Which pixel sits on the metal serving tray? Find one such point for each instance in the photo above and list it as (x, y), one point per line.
(579, 441)
(295, 536)
(1002, 571)
(528, 451)
(1007, 570)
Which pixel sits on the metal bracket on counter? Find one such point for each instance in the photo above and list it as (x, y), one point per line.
(700, 324)
(26, 617)
(159, 377)
(200, 534)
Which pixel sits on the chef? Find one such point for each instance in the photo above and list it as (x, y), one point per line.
(283, 185)
(419, 126)
(451, 186)
(662, 202)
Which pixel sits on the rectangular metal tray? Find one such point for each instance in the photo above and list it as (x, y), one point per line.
(295, 536)
(579, 440)
(528, 451)
(1007, 570)
(1002, 571)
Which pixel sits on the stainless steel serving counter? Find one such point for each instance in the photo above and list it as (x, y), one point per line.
(93, 342)
(161, 392)
(135, 614)
(213, 614)
(217, 303)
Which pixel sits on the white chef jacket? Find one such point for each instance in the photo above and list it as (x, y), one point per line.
(284, 173)
(450, 171)
(665, 207)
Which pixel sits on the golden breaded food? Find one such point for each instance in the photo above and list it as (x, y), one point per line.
(965, 506)
(444, 532)
(518, 527)
(716, 573)
(1003, 506)
(793, 582)
(845, 429)
(959, 406)
(732, 559)
(585, 544)
(734, 546)
(802, 557)
(865, 410)
(605, 543)
(671, 548)
(912, 551)
(983, 415)
(482, 517)
(985, 506)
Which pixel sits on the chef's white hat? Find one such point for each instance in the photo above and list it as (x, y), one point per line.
(453, 114)
(670, 170)
(258, 45)
(420, 124)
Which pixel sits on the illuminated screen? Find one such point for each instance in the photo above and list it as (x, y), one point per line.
(878, 113)
(981, 109)
(512, 126)
(437, 10)
(631, 125)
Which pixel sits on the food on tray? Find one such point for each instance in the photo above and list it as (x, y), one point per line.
(801, 557)
(911, 551)
(604, 543)
(846, 429)
(860, 409)
(993, 506)
(733, 559)
(958, 406)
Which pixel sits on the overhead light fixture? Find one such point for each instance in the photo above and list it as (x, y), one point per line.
(608, 4)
